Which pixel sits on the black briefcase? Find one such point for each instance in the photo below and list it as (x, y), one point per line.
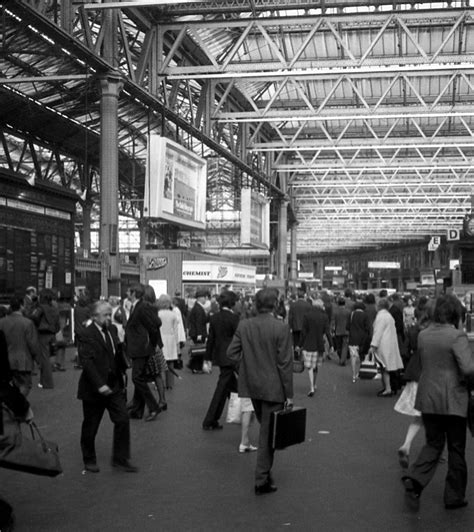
(196, 357)
(288, 427)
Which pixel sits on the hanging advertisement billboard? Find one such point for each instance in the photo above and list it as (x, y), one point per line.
(255, 219)
(175, 184)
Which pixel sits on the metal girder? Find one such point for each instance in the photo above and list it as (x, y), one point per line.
(334, 33)
(368, 116)
(137, 95)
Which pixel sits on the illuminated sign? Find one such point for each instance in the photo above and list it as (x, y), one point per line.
(384, 265)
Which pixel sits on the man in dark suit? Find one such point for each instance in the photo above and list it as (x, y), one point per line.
(197, 322)
(198, 318)
(142, 336)
(101, 387)
(295, 315)
(23, 345)
(263, 349)
(222, 327)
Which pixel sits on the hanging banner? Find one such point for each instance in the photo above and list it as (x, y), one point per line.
(175, 184)
(255, 219)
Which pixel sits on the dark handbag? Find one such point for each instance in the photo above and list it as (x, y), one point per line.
(36, 455)
(287, 427)
(298, 361)
(368, 368)
(470, 412)
(153, 366)
(53, 347)
(196, 357)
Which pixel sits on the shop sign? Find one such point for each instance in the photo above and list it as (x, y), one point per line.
(215, 271)
(156, 263)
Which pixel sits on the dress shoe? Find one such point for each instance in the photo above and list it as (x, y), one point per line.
(163, 406)
(412, 493)
(92, 468)
(215, 426)
(134, 415)
(268, 487)
(125, 466)
(153, 415)
(247, 448)
(455, 505)
(310, 394)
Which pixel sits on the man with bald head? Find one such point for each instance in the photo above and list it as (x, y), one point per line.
(101, 387)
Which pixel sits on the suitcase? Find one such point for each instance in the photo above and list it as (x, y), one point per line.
(196, 357)
(288, 427)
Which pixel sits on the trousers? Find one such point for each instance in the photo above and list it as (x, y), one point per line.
(438, 429)
(265, 453)
(93, 411)
(226, 383)
(142, 394)
(46, 371)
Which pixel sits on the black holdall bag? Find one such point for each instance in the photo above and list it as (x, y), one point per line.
(288, 427)
(36, 455)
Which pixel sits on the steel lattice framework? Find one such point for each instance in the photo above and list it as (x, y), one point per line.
(363, 112)
(370, 115)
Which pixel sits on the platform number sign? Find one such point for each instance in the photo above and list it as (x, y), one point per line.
(453, 234)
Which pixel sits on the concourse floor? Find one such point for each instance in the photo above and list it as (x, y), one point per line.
(345, 477)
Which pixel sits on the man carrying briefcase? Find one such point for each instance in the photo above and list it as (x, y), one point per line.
(263, 349)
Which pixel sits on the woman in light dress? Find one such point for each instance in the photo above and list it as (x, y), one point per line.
(169, 335)
(384, 346)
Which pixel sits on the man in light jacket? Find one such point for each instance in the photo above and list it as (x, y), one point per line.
(263, 349)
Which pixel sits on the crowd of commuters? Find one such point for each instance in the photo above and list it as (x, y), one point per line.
(418, 345)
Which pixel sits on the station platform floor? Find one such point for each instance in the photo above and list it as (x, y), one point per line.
(345, 477)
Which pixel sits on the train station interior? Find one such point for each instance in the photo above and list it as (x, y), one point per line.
(330, 142)
(324, 147)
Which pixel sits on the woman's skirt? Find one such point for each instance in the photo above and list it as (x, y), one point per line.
(406, 401)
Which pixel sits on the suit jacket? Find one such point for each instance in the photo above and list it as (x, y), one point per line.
(296, 313)
(315, 326)
(446, 362)
(100, 366)
(197, 322)
(142, 332)
(22, 341)
(341, 317)
(9, 393)
(263, 348)
(222, 327)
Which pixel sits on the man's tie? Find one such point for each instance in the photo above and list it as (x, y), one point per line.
(108, 341)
